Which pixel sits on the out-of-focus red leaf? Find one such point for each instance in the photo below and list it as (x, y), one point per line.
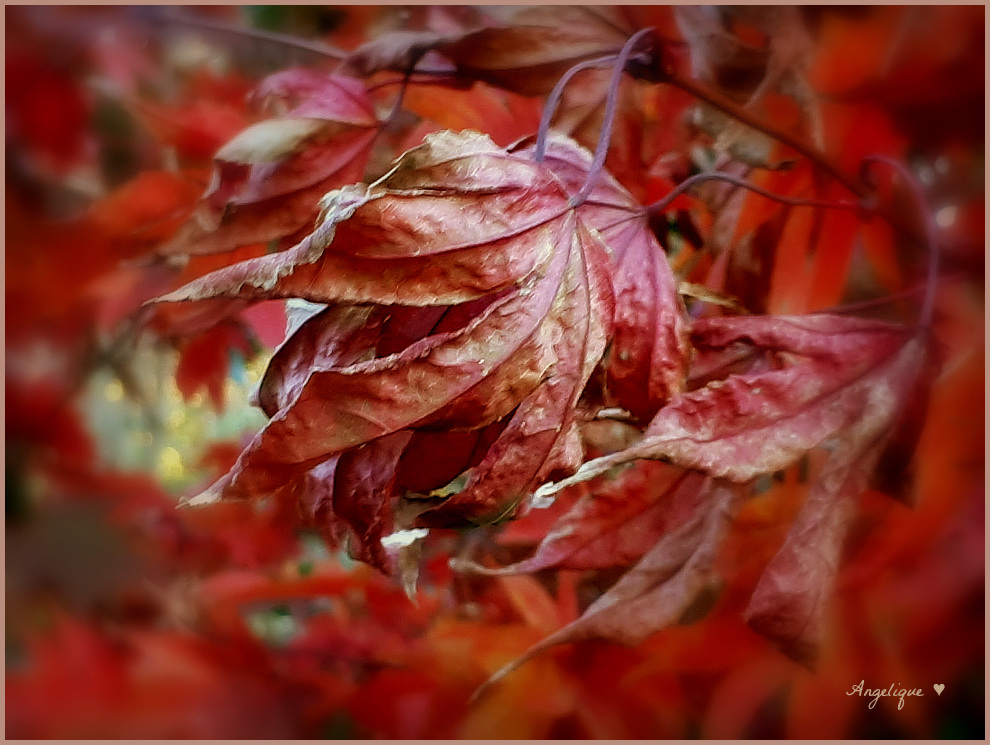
(47, 109)
(502, 115)
(267, 321)
(147, 210)
(40, 419)
(527, 55)
(269, 178)
(790, 283)
(205, 360)
(307, 94)
(163, 684)
(195, 130)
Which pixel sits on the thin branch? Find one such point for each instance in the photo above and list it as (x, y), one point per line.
(730, 107)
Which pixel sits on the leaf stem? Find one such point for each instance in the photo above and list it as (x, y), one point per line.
(601, 149)
(698, 178)
(931, 232)
(553, 100)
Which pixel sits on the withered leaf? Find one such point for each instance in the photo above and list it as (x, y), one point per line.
(542, 435)
(455, 219)
(789, 602)
(362, 493)
(615, 523)
(835, 370)
(655, 592)
(501, 322)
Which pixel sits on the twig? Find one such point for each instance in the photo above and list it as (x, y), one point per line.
(730, 107)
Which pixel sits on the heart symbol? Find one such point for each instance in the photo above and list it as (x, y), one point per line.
(939, 687)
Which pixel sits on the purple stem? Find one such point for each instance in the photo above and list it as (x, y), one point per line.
(601, 150)
(550, 108)
(931, 237)
(887, 299)
(698, 178)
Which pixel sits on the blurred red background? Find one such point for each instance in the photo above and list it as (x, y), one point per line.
(128, 618)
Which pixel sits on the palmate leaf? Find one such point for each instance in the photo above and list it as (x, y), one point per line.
(813, 379)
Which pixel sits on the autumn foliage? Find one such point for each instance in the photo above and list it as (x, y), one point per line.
(614, 370)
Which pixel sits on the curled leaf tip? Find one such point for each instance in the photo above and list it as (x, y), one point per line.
(210, 496)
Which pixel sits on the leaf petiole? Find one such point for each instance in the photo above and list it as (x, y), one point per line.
(931, 238)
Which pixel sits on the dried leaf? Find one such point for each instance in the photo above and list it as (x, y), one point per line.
(510, 363)
(615, 523)
(455, 219)
(542, 436)
(362, 491)
(789, 601)
(835, 371)
(655, 592)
